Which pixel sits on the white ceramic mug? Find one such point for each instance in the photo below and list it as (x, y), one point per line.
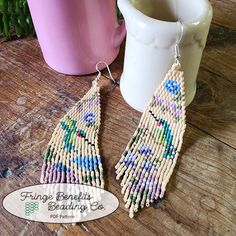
(152, 32)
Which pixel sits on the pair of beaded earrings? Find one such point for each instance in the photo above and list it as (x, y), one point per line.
(149, 159)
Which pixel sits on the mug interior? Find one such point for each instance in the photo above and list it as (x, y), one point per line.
(171, 10)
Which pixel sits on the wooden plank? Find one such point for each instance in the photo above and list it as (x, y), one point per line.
(224, 13)
(200, 197)
(200, 185)
(210, 163)
(214, 109)
(219, 56)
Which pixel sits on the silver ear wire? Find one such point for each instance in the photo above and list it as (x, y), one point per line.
(177, 51)
(100, 73)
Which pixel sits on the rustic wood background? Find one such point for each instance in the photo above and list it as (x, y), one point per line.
(201, 196)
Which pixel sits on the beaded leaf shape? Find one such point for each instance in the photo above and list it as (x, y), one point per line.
(150, 156)
(72, 155)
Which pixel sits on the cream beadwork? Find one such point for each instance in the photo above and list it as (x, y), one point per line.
(150, 157)
(72, 154)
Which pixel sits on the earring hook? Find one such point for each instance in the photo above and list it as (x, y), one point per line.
(177, 51)
(100, 73)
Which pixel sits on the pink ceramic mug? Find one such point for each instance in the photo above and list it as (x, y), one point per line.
(74, 35)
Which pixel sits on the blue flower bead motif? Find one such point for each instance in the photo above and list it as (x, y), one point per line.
(172, 86)
(89, 117)
(145, 150)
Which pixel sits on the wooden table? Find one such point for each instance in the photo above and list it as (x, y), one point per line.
(201, 196)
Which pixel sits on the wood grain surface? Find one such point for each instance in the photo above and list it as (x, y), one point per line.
(224, 13)
(200, 197)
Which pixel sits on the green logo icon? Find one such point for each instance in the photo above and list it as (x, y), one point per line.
(31, 207)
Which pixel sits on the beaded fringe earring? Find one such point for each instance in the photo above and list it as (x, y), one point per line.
(150, 156)
(72, 154)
